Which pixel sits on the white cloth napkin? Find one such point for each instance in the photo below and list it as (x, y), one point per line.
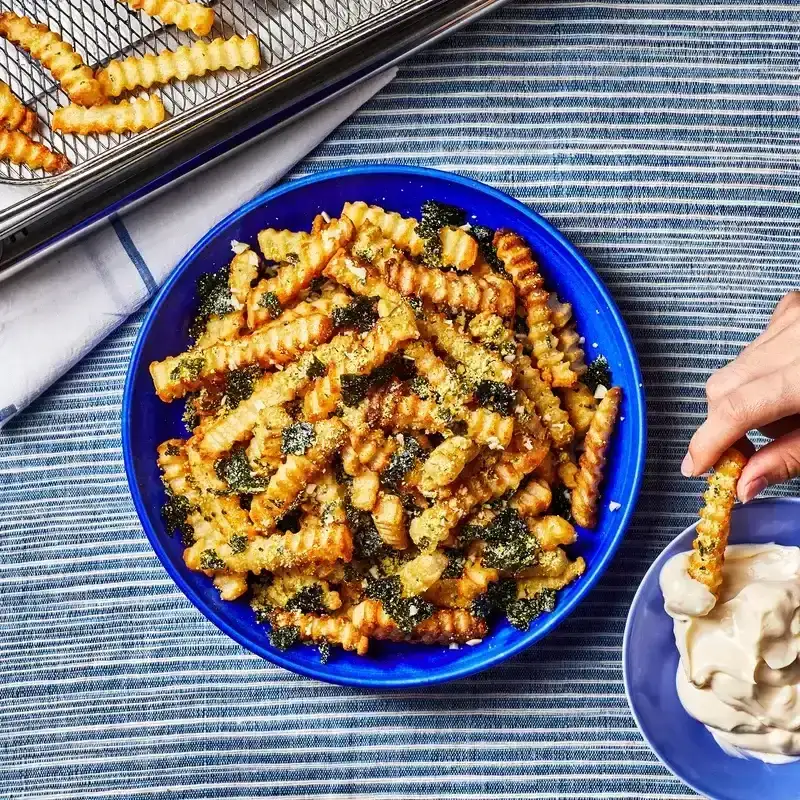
(54, 313)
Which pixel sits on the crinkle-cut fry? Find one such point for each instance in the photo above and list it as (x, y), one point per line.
(560, 312)
(13, 114)
(569, 343)
(336, 630)
(548, 406)
(131, 116)
(221, 329)
(307, 255)
(446, 462)
(185, 16)
(402, 231)
(320, 305)
(711, 539)
(271, 390)
(48, 48)
(367, 448)
(388, 334)
(479, 363)
(444, 626)
(312, 546)
(459, 249)
(343, 269)
(364, 489)
(455, 292)
(532, 499)
(18, 148)
(586, 494)
(474, 581)
(242, 271)
(397, 409)
(177, 375)
(552, 531)
(580, 404)
(530, 587)
(567, 470)
(264, 449)
(491, 330)
(421, 572)
(196, 60)
(486, 481)
(389, 517)
(519, 262)
(230, 585)
(452, 392)
(547, 470)
(296, 472)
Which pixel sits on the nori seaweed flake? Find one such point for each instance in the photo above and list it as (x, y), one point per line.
(407, 612)
(598, 373)
(401, 463)
(484, 236)
(297, 438)
(239, 384)
(496, 396)
(361, 314)
(316, 369)
(236, 471)
(354, 388)
(269, 300)
(214, 298)
(436, 215)
(175, 513)
(307, 600)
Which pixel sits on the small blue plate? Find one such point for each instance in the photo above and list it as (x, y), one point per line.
(146, 421)
(650, 662)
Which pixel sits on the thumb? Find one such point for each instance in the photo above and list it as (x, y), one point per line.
(776, 462)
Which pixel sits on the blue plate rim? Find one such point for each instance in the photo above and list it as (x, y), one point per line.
(658, 562)
(638, 403)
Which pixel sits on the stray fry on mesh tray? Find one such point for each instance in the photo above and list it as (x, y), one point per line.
(373, 453)
(708, 554)
(53, 52)
(129, 115)
(21, 149)
(185, 16)
(194, 61)
(14, 115)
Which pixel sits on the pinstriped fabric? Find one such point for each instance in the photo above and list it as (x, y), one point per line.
(662, 138)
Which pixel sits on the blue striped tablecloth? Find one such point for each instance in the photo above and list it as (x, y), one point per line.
(662, 138)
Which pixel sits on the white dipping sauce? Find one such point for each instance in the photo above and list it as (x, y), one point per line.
(739, 672)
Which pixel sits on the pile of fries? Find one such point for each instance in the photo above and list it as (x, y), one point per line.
(92, 110)
(390, 436)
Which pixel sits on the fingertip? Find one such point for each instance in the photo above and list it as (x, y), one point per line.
(752, 489)
(687, 466)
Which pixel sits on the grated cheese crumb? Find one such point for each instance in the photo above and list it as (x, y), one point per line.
(509, 359)
(325, 215)
(473, 642)
(413, 611)
(239, 247)
(373, 570)
(493, 443)
(614, 506)
(359, 272)
(582, 340)
(452, 646)
(594, 344)
(600, 392)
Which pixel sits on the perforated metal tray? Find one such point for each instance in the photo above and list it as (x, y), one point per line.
(307, 46)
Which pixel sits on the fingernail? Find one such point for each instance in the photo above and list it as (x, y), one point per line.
(687, 466)
(754, 488)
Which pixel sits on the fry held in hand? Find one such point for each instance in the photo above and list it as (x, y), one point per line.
(185, 62)
(129, 116)
(53, 52)
(708, 554)
(185, 16)
(14, 115)
(20, 149)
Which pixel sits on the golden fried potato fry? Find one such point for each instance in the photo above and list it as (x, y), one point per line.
(446, 463)
(389, 517)
(586, 494)
(194, 61)
(336, 630)
(47, 47)
(130, 116)
(18, 148)
(547, 404)
(708, 553)
(185, 16)
(13, 114)
(519, 262)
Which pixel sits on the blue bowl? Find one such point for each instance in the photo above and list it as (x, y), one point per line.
(650, 663)
(146, 421)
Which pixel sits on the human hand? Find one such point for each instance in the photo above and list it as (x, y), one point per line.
(760, 389)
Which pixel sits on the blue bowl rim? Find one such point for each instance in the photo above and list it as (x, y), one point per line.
(454, 672)
(656, 565)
